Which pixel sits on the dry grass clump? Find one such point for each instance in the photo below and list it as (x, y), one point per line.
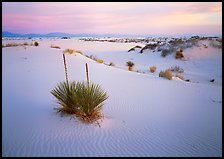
(130, 65)
(70, 51)
(56, 47)
(167, 74)
(153, 69)
(100, 61)
(179, 54)
(180, 76)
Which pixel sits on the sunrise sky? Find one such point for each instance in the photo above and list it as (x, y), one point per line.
(137, 18)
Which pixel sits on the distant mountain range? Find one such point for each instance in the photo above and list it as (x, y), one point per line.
(60, 34)
(56, 34)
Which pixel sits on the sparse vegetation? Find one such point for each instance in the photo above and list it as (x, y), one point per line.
(166, 74)
(130, 65)
(17, 44)
(56, 47)
(152, 69)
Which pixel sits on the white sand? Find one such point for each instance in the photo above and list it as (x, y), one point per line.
(145, 115)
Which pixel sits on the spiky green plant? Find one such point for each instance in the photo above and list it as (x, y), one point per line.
(63, 92)
(83, 99)
(90, 98)
(130, 65)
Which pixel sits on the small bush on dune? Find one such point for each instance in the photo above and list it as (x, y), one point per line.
(100, 61)
(130, 65)
(36, 43)
(179, 55)
(167, 74)
(56, 47)
(153, 69)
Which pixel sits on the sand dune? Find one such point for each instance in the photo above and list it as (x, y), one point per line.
(145, 115)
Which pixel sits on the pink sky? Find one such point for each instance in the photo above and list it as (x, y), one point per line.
(137, 18)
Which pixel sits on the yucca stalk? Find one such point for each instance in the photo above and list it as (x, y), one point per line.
(66, 73)
(87, 73)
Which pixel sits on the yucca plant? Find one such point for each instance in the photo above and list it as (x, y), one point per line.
(89, 98)
(130, 65)
(84, 99)
(64, 93)
(80, 98)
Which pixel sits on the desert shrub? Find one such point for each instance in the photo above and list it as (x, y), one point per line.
(111, 64)
(100, 61)
(25, 44)
(36, 43)
(180, 76)
(56, 47)
(165, 52)
(80, 52)
(130, 65)
(167, 74)
(83, 99)
(3, 45)
(177, 69)
(153, 69)
(179, 55)
(70, 51)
